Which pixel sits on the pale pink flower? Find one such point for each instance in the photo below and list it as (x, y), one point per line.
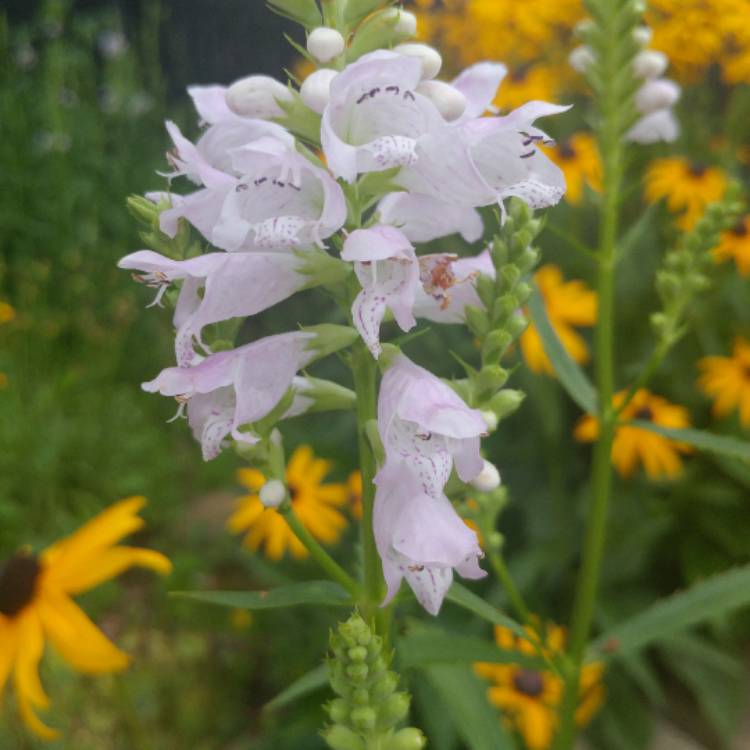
(479, 84)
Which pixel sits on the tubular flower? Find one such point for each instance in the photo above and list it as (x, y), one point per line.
(687, 188)
(529, 698)
(579, 159)
(659, 455)
(36, 604)
(569, 304)
(727, 381)
(316, 504)
(735, 244)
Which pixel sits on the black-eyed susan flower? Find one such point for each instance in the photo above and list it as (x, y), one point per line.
(726, 380)
(660, 456)
(735, 245)
(569, 304)
(316, 505)
(688, 188)
(528, 698)
(578, 157)
(36, 604)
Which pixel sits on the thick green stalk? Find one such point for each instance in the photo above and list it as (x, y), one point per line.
(334, 570)
(364, 371)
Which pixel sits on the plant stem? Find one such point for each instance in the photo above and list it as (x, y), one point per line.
(334, 570)
(364, 371)
(514, 595)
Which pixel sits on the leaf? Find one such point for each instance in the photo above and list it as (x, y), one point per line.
(309, 592)
(310, 682)
(705, 441)
(571, 376)
(464, 699)
(434, 646)
(707, 600)
(460, 595)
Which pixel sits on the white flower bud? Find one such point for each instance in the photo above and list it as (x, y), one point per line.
(488, 479)
(659, 94)
(650, 64)
(257, 96)
(428, 56)
(642, 35)
(316, 90)
(406, 25)
(581, 58)
(490, 419)
(272, 493)
(450, 102)
(324, 44)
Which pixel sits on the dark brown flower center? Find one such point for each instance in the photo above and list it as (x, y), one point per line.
(529, 682)
(566, 151)
(698, 170)
(644, 413)
(740, 229)
(18, 577)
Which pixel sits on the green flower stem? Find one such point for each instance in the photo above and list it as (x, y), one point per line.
(506, 580)
(334, 570)
(364, 371)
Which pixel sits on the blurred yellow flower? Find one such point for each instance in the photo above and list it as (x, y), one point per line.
(36, 603)
(315, 504)
(7, 313)
(578, 157)
(354, 485)
(527, 83)
(735, 245)
(528, 698)
(688, 188)
(568, 304)
(727, 381)
(659, 455)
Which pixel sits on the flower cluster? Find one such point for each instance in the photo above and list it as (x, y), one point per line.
(400, 158)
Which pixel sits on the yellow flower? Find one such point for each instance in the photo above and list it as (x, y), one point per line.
(735, 244)
(688, 188)
(659, 455)
(578, 157)
(528, 698)
(727, 381)
(568, 304)
(314, 503)
(7, 313)
(36, 604)
(527, 83)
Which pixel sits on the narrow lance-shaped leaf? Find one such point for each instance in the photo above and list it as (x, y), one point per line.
(571, 376)
(461, 596)
(310, 682)
(705, 441)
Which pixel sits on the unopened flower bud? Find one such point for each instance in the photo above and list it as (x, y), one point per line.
(324, 44)
(642, 35)
(488, 478)
(581, 58)
(364, 717)
(257, 96)
(340, 737)
(408, 739)
(316, 89)
(490, 419)
(649, 64)
(450, 102)
(406, 23)
(654, 95)
(428, 56)
(394, 709)
(272, 493)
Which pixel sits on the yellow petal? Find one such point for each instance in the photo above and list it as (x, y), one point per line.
(8, 646)
(248, 510)
(251, 478)
(76, 637)
(296, 469)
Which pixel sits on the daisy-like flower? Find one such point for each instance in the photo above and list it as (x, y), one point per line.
(659, 455)
(688, 188)
(579, 159)
(569, 304)
(529, 699)
(315, 503)
(36, 604)
(735, 245)
(726, 380)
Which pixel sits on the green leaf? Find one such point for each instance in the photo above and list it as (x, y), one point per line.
(710, 599)
(434, 646)
(571, 376)
(464, 699)
(705, 441)
(310, 592)
(461, 596)
(310, 682)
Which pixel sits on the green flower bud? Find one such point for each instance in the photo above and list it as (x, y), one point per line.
(491, 378)
(325, 395)
(394, 709)
(385, 29)
(485, 287)
(358, 672)
(329, 338)
(505, 402)
(477, 320)
(321, 268)
(364, 718)
(408, 739)
(495, 345)
(358, 653)
(340, 738)
(299, 118)
(338, 710)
